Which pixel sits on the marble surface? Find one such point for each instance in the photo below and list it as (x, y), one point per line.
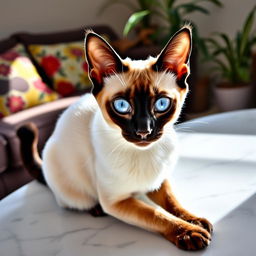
(214, 178)
(235, 122)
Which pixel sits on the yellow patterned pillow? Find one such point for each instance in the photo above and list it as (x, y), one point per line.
(21, 86)
(65, 64)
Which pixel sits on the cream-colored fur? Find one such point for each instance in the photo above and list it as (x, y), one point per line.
(86, 161)
(86, 157)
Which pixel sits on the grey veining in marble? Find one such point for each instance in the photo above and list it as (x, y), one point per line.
(214, 178)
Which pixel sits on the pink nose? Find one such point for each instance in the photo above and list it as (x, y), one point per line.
(143, 134)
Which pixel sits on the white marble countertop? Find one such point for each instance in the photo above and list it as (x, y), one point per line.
(215, 178)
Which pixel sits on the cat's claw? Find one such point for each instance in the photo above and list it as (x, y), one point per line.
(202, 222)
(189, 237)
(192, 240)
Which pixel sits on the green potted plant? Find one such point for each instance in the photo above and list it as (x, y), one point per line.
(171, 15)
(232, 62)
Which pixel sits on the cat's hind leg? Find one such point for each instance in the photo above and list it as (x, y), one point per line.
(166, 199)
(68, 180)
(95, 211)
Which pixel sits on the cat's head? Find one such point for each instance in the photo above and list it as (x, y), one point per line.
(140, 97)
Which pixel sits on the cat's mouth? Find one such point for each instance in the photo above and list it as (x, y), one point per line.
(142, 142)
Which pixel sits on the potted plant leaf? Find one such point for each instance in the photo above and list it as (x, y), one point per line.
(140, 19)
(232, 62)
(162, 17)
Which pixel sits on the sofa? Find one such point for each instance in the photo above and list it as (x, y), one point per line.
(12, 172)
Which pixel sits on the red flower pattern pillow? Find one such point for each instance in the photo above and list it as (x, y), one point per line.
(20, 85)
(65, 64)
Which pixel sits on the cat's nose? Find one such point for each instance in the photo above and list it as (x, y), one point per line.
(143, 127)
(144, 134)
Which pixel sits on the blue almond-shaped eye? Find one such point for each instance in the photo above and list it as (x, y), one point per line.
(122, 106)
(162, 104)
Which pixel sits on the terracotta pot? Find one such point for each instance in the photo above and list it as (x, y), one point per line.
(232, 98)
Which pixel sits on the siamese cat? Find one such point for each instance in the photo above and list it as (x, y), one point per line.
(112, 151)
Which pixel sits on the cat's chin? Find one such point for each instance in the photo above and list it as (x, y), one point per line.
(143, 143)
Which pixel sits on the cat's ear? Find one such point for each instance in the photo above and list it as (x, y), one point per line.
(101, 58)
(175, 55)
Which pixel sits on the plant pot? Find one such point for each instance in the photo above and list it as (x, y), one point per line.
(233, 98)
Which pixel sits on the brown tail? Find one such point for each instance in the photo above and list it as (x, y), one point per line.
(28, 135)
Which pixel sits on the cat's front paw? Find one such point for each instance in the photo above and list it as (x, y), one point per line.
(189, 237)
(202, 222)
(193, 240)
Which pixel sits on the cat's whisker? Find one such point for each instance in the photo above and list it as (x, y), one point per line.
(123, 80)
(120, 79)
(91, 129)
(200, 122)
(186, 129)
(97, 129)
(154, 162)
(157, 76)
(118, 151)
(115, 148)
(100, 132)
(103, 131)
(160, 78)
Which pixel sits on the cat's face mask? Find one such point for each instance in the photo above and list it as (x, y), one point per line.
(140, 97)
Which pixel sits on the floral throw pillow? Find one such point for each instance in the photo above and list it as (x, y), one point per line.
(20, 85)
(65, 64)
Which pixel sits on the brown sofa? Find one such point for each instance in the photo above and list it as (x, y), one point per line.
(12, 172)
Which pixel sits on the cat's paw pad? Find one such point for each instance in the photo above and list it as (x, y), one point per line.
(193, 240)
(202, 222)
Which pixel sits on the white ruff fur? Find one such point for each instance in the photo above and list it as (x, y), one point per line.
(86, 158)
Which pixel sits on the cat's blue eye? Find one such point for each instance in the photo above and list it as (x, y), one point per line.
(122, 106)
(162, 104)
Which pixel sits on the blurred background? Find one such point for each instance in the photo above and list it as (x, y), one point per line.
(43, 16)
(224, 32)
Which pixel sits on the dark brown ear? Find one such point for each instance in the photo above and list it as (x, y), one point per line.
(101, 58)
(175, 55)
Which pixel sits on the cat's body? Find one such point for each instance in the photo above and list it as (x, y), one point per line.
(99, 159)
(117, 146)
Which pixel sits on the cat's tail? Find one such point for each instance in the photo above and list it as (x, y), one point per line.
(28, 135)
